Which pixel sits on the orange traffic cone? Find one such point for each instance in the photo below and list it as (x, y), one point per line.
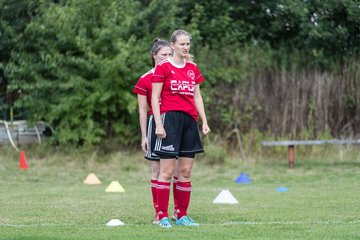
(22, 163)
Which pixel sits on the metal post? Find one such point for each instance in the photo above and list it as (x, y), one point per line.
(291, 157)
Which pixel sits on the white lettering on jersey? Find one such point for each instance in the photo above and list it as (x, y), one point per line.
(183, 87)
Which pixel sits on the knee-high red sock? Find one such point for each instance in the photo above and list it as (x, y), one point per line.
(163, 194)
(154, 194)
(175, 193)
(184, 192)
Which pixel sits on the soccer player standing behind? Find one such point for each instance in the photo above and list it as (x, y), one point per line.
(176, 81)
(160, 50)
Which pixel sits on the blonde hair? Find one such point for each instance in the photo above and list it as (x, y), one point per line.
(177, 33)
(189, 57)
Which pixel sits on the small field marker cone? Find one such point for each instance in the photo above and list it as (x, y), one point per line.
(92, 179)
(22, 163)
(225, 197)
(114, 187)
(282, 189)
(243, 178)
(114, 223)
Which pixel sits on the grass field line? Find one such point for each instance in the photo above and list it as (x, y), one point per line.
(211, 224)
(291, 223)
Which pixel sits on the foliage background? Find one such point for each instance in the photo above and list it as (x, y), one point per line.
(273, 68)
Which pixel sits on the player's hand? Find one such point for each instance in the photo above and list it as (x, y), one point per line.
(205, 129)
(160, 131)
(144, 144)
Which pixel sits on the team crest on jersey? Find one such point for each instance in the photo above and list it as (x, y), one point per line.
(191, 74)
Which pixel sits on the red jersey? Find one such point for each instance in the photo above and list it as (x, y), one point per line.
(178, 86)
(144, 87)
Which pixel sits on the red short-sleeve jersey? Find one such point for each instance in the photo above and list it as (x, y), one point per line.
(144, 87)
(178, 86)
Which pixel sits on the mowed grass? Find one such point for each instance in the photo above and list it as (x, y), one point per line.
(50, 201)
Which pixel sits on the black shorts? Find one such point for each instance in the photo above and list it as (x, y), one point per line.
(150, 155)
(182, 135)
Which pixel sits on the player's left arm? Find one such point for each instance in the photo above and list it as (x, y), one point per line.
(201, 110)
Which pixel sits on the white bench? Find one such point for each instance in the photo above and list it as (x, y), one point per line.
(293, 143)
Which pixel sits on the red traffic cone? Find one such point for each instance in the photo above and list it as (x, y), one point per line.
(22, 163)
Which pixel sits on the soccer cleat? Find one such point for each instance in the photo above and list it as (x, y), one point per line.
(165, 223)
(186, 221)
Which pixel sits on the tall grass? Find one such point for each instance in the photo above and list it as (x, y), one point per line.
(276, 93)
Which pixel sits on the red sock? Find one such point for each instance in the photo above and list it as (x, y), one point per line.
(175, 193)
(163, 194)
(184, 192)
(154, 194)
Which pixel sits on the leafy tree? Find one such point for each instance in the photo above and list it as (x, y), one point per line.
(322, 30)
(14, 16)
(77, 65)
(334, 29)
(73, 63)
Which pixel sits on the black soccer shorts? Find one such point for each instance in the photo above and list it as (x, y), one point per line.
(182, 136)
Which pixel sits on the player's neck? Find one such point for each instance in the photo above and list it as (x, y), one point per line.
(177, 61)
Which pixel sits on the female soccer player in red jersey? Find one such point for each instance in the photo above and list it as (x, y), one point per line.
(160, 50)
(177, 104)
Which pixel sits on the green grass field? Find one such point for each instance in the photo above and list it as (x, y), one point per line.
(50, 201)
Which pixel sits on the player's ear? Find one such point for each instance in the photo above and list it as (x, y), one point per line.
(172, 45)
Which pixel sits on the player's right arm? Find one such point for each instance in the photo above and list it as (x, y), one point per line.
(155, 103)
(143, 110)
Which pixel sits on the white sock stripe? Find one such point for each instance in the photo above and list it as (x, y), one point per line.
(183, 189)
(163, 187)
(153, 185)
